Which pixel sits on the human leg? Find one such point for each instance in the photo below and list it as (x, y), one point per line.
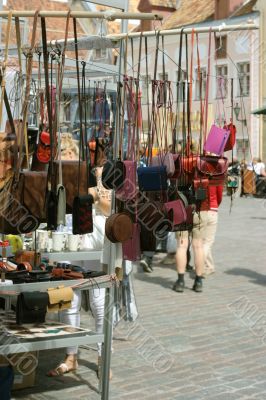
(71, 317)
(208, 240)
(181, 260)
(199, 223)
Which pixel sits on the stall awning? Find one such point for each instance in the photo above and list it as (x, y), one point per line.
(260, 111)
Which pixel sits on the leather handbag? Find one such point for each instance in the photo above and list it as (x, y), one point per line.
(31, 307)
(70, 176)
(213, 168)
(128, 190)
(82, 221)
(152, 178)
(131, 247)
(113, 174)
(59, 298)
(200, 188)
(165, 159)
(119, 227)
(28, 256)
(216, 140)
(232, 137)
(176, 212)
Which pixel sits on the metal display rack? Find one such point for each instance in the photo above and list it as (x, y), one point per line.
(89, 337)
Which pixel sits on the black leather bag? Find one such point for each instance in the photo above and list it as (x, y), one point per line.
(31, 307)
(82, 215)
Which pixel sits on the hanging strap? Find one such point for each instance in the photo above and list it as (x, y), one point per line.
(23, 125)
(59, 95)
(191, 67)
(207, 87)
(81, 141)
(48, 98)
(4, 64)
(135, 139)
(147, 94)
(178, 90)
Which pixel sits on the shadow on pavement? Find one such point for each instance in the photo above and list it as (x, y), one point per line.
(255, 277)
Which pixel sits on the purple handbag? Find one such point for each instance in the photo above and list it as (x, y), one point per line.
(216, 140)
(131, 248)
(127, 191)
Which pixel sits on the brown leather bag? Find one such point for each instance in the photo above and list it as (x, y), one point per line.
(119, 227)
(59, 298)
(28, 256)
(23, 205)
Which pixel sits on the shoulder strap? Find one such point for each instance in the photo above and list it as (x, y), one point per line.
(4, 63)
(23, 125)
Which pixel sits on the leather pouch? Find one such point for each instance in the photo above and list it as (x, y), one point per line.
(31, 307)
(131, 247)
(119, 227)
(82, 215)
(113, 174)
(60, 298)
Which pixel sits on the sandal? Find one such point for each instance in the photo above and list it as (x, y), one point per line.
(62, 369)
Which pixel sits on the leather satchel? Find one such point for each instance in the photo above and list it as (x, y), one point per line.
(127, 191)
(214, 168)
(176, 212)
(152, 178)
(119, 227)
(82, 221)
(31, 307)
(59, 298)
(24, 204)
(131, 247)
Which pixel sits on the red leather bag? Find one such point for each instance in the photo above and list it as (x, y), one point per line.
(232, 137)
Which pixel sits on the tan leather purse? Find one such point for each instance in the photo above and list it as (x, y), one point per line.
(60, 298)
(119, 227)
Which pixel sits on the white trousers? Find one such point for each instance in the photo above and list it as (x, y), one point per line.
(72, 315)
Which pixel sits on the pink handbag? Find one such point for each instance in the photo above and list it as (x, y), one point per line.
(127, 191)
(164, 159)
(131, 248)
(176, 212)
(216, 140)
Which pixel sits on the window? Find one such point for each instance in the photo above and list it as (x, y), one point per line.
(182, 85)
(221, 81)
(203, 72)
(99, 54)
(163, 77)
(221, 47)
(243, 78)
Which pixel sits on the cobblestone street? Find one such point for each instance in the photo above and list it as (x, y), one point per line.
(186, 346)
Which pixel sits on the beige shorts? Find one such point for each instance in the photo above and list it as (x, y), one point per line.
(199, 223)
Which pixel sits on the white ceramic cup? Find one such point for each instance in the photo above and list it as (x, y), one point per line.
(74, 242)
(42, 239)
(59, 241)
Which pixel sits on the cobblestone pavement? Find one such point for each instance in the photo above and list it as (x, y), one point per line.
(188, 346)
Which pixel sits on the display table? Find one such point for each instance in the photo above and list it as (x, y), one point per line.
(81, 255)
(50, 335)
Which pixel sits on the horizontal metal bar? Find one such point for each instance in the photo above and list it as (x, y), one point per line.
(221, 28)
(48, 344)
(108, 15)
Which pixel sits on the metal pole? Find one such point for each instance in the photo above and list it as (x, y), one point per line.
(109, 296)
(205, 29)
(108, 15)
